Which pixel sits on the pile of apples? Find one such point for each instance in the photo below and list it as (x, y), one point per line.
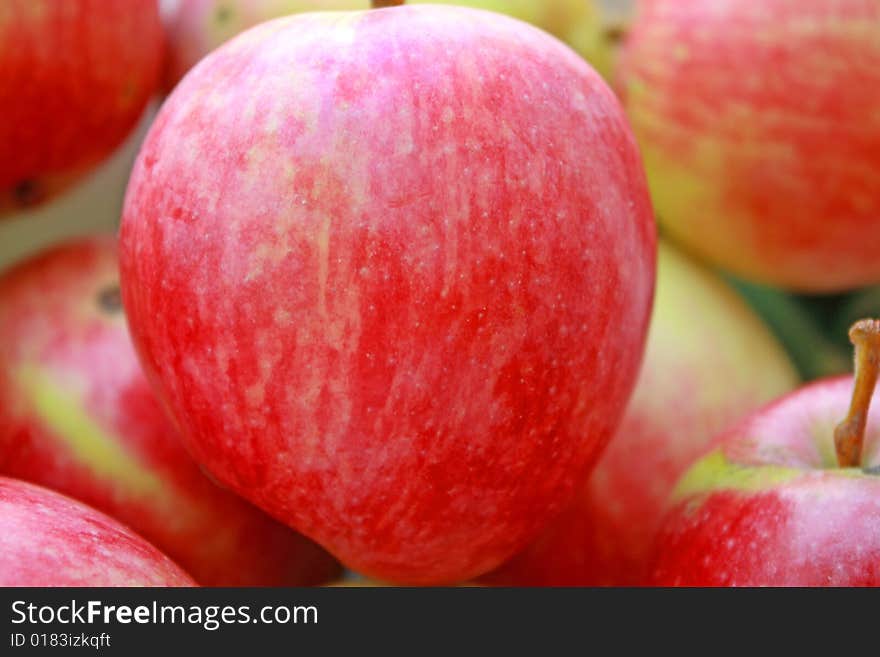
(387, 298)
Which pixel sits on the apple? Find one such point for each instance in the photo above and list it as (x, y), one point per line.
(77, 415)
(785, 498)
(709, 361)
(760, 127)
(391, 271)
(196, 27)
(74, 78)
(47, 539)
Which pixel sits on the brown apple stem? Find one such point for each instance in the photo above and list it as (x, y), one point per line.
(617, 18)
(849, 435)
(378, 4)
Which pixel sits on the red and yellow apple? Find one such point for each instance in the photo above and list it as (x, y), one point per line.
(786, 498)
(391, 271)
(196, 27)
(760, 127)
(74, 78)
(47, 539)
(77, 415)
(709, 361)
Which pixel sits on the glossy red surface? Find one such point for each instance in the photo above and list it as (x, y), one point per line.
(392, 272)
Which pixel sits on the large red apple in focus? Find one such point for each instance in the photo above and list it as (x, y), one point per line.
(47, 539)
(77, 415)
(786, 498)
(75, 75)
(391, 271)
(759, 122)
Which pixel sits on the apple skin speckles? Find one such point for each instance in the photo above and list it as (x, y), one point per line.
(465, 301)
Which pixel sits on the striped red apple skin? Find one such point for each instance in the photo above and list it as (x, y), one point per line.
(392, 271)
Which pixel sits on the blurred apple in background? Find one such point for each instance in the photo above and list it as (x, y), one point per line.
(92, 205)
(75, 75)
(196, 27)
(759, 123)
(709, 362)
(392, 272)
(77, 415)
(798, 323)
(788, 497)
(50, 540)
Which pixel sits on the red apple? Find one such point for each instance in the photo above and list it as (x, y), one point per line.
(709, 362)
(77, 415)
(391, 271)
(47, 539)
(760, 127)
(785, 499)
(74, 78)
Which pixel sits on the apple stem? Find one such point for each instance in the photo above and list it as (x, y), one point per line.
(849, 435)
(378, 4)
